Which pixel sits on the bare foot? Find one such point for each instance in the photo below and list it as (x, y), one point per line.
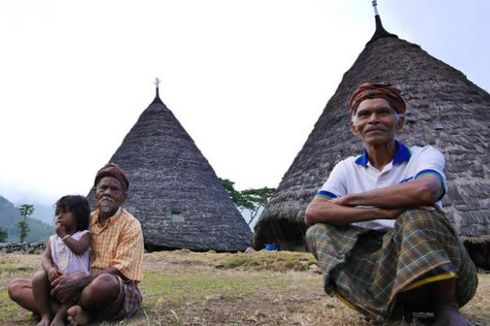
(449, 315)
(58, 320)
(45, 320)
(77, 316)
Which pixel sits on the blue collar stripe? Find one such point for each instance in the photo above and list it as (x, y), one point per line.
(326, 194)
(402, 154)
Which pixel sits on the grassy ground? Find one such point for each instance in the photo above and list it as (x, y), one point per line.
(186, 288)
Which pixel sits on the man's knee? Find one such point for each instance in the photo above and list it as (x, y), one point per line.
(313, 230)
(39, 277)
(16, 287)
(419, 221)
(415, 218)
(311, 236)
(105, 287)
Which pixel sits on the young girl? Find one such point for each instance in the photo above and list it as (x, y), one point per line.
(67, 252)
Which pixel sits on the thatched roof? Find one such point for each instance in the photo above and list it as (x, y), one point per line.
(445, 110)
(174, 191)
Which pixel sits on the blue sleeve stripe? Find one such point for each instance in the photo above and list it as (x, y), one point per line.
(326, 194)
(436, 173)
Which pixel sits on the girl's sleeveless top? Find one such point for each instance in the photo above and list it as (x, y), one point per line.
(64, 259)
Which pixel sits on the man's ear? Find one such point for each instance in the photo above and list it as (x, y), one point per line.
(400, 123)
(353, 128)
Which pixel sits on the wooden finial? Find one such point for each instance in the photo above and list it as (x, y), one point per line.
(380, 31)
(375, 6)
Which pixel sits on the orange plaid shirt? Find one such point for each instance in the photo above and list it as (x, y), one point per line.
(119, 244)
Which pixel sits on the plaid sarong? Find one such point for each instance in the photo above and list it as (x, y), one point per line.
(368, 268)
(125, 305)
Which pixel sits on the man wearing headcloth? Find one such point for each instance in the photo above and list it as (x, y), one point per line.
(377, 227)
(110, 291)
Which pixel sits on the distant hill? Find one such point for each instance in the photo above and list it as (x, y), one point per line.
(9, 217)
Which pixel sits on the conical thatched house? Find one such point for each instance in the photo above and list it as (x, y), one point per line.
(174, 191)
(445, 110)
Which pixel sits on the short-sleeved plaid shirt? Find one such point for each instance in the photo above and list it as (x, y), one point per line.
(118, 244)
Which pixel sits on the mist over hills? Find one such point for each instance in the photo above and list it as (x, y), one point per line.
(10, 216)
(43, 213)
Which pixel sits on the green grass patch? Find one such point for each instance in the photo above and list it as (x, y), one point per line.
(9, 311)
(190, 285)
(273, 261)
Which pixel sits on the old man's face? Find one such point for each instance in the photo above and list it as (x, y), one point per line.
(376, 122)
(109, 196)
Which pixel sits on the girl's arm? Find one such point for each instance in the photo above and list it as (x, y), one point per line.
(48, 265)
(79, 247)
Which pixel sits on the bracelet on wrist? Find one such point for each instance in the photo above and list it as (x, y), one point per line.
(65, 237)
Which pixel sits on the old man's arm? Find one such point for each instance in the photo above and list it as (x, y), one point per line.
(427, 186)
(324, 210)
(67, 287)
(423, 191)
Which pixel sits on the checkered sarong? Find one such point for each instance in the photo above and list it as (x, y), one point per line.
(125, 305)
(368, 268)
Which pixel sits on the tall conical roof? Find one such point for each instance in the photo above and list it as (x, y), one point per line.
(445, 109)
(174, 191)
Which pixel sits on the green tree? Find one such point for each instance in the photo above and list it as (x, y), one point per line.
(251, 199)
(3, 235)
(25, 210)
(258, 198)
(236, 196)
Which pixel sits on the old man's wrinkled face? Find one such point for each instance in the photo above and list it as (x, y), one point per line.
(376, 122)
(109, 196)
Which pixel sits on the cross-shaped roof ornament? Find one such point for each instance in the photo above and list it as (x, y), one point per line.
(157, 82)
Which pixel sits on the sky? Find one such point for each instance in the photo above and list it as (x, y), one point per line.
(247, 79)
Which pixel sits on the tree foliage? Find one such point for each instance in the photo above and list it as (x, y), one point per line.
(252, 199)
(241, 201)
(25, 210)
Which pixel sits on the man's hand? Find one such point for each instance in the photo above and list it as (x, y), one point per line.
(53, 274)
(384, 212)
(66, 288)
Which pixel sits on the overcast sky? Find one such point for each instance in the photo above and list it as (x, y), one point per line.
(246, 79)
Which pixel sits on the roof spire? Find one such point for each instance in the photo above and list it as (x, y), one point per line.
(375, 6)
(380, 31)
(157, 86)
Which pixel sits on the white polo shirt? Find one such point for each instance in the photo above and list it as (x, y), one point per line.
(355, 175)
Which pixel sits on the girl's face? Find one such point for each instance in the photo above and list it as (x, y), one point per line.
(67, 220)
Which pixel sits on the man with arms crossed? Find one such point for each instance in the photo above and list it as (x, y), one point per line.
(377, 229)
(110, 291)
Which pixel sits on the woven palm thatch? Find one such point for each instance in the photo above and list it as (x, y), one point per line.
(445, 110)
(174, 191)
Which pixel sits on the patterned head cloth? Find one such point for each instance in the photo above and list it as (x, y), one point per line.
(378, 90)
(115, 171)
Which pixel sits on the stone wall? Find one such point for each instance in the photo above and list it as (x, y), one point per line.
(23, 248)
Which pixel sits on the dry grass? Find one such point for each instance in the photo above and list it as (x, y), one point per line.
(187, 288)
